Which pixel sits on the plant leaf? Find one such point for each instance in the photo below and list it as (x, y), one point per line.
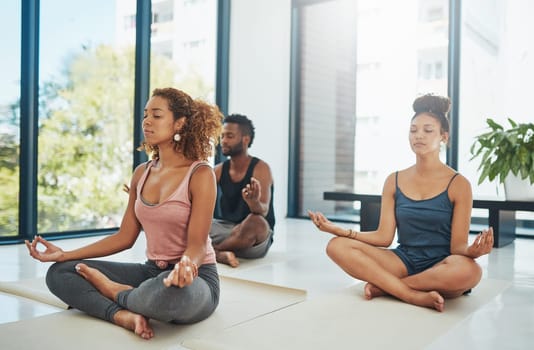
(501, 151)
(494, 125)
(512, 123)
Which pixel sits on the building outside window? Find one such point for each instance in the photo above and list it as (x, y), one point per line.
(359, 111)
(497, 80)
(86, 98)
(356, 91)
(183, 45)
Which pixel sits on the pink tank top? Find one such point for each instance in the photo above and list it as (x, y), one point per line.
(165, 224)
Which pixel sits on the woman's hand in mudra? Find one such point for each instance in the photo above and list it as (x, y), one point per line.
(183, 273)
(322, 223)
(482, 245)
(51, 252)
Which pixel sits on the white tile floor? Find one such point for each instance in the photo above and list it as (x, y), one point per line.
(298, 260)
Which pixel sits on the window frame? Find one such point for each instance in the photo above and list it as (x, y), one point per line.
(29, 96)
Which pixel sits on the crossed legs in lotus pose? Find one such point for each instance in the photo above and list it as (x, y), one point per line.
(386, 274)
(108, 288)
(252, 230)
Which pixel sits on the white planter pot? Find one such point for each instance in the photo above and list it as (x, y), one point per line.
(517, 189)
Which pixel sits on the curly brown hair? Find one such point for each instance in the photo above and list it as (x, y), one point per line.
(201, 130)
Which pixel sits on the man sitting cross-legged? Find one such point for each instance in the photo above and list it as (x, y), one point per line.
(244, 218)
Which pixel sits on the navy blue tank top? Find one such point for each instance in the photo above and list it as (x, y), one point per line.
(230, 203)
(424, 223)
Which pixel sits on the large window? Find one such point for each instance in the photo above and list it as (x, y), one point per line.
(9, 117)
(497, 79)
(358, 110)
(402, 51)
(326, 99)
(183, 46)
(69, 119)
(85, 117)
(497, 74)
(356, 91)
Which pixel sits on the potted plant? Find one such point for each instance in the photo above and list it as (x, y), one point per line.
(507, 154)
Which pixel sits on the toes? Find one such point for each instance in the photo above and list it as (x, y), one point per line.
(367, 292)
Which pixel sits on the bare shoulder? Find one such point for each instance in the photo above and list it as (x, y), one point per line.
(390, 178)
(203, 170)
(404, 173)
(389, 185)
(203, 175)
(262, 164)
(136, 176)
(460, 187)
(139, 170)
(142, 167)
(460, 182)
(262, 167)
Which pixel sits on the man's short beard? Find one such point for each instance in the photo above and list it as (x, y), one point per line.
(233, 151)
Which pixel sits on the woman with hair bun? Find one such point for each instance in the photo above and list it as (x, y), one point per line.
(171, 198)
(429, 206)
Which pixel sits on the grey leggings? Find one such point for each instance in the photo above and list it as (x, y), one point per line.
(149, 297)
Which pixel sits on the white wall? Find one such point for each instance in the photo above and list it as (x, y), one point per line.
(260, 36)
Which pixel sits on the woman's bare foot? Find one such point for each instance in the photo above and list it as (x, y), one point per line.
(107, 287)
(431, 300)
(371, 291)
(134, 322)
(227, 257)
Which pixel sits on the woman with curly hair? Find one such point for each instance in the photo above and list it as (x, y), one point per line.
(171, 199)
(429, 206)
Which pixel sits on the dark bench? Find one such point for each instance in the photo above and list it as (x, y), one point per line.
(501, 214)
